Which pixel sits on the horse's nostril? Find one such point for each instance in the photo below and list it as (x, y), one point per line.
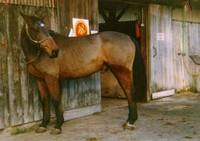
(55, 52)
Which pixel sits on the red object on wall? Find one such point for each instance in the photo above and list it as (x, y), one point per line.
(137, 29)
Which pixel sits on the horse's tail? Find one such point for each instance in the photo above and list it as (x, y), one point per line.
(139, 75)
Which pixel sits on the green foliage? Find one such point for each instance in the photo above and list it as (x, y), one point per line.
(21, 130)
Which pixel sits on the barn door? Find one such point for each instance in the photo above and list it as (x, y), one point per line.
(187, 68)
(161, 52)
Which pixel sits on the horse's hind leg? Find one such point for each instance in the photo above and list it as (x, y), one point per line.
(124, 77)
(55, 92)
(44, 98)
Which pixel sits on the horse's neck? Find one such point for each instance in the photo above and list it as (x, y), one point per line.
(30, 49)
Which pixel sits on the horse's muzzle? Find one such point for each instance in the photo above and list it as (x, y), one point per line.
(54, 53)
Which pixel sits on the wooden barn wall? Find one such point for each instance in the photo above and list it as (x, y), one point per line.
(178, 14)
(19, 102)
(169, 39)
(44, 3)
(186, 40)
(161, 50)
(18, 93)
(68, 9)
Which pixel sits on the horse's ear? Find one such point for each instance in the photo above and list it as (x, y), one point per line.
(41, 14)
(25, 17)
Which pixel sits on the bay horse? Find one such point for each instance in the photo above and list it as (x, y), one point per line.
(51, 57)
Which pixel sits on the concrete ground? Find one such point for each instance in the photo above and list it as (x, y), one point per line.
(174, 118)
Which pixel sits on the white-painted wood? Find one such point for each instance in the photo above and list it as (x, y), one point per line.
(162, 94)
(80, 112)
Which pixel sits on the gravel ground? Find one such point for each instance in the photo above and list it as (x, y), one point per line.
(174, 118)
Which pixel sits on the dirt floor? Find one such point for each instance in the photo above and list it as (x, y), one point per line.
(174, 118)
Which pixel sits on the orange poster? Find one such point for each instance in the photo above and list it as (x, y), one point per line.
(80, 27)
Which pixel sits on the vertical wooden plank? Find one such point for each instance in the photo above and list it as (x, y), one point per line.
(198, 79)
(10, 80)
(72, 96)
(4, 65)
(186, 64)
(3, 70)
(36, 102)
(1, 91)
(95, 15)
(13, 69)
(62, 5)
(91, 13)
(79, 92)
(177, 34)
(27, 109)
(64, 84)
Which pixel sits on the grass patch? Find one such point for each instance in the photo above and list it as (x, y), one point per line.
(21, 130)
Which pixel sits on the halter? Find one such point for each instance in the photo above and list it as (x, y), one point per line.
(35, 41)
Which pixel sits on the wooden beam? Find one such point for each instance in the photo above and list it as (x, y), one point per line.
(177, 3)
(122, 12)
(103, 14)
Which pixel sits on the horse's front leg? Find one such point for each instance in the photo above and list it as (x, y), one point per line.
(44, 98)
(55, 92)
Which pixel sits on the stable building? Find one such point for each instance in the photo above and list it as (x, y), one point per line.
(166, 33)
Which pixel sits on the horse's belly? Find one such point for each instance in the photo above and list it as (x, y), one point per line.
(82, 70)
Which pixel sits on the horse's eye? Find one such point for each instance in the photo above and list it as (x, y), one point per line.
(42, 24)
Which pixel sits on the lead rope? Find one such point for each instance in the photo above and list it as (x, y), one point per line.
(37, 42)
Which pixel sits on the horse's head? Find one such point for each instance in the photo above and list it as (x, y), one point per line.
(38, 33)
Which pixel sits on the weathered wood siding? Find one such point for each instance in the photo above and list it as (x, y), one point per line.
(43, 3)
(186, 40)
(81, 92)
(169, 69)
(18, 94)
(19, 102)
(162, 52)
(68, 9)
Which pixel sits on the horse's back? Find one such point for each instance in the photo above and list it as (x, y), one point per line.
(118, 48)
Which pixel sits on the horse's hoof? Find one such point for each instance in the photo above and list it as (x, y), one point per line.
(41, 130)
(129, 126)
(55, 131)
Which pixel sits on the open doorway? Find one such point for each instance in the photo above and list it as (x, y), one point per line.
(130, 20)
